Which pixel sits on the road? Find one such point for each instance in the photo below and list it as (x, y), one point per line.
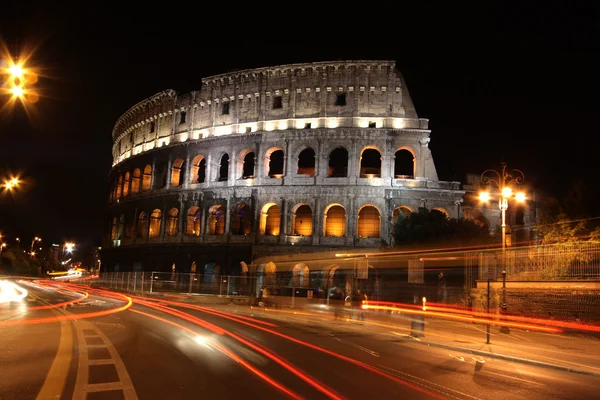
(72, 342)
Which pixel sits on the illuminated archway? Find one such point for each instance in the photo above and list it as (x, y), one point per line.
(335, 221)
(369, 222)
(270, 220)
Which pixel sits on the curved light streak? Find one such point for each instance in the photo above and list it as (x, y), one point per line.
(33, 321)
(10, 291)
(282, 362)
(329, 352)
(228, 353)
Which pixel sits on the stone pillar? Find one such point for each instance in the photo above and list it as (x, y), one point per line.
(152, 174)
(169, 172)
(283, 222)
(317, 217)
(227, 215)
(163, 222)
(188, 171)
(351, 218)
(203, 227)
(182, 214)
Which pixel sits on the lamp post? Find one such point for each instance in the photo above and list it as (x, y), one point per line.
(2, 246)
(35, 239)
(503, 180)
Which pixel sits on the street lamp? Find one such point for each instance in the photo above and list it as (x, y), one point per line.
(2, 246)
(503, 181)
(35, 239)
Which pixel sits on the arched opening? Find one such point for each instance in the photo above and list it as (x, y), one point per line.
(120, 227)
(300, 275)
(241, 221)
(442, 210)
(224, 168)
(192, 226)
(160, 175)
(370, 164)
(216, 220)
(338, 163)
(248, 167)
(119, 186)
(402, 209)
(177, 172)
(276, 164)
(211, 278)
(172, 222)
(272, 219)
(135, 181)
(126, 184)
(306, 162)
(198, 169)
(404, 164)
(113, 229)
(155, 221)
(147, 180)
(303, 224)
(369, 222)
(482, 221)
(335, 221)
(266, 276)
(142, 225)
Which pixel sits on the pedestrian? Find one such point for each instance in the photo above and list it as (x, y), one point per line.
(442, 288)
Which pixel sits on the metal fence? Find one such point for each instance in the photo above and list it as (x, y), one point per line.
(564, 261)
(156, 282)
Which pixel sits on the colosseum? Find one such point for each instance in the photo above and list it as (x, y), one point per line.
(302, 158)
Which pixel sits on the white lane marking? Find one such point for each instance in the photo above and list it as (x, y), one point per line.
(457, 358)
(513, 377)
(82, 387)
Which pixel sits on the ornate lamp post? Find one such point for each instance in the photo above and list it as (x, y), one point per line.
(503, 180)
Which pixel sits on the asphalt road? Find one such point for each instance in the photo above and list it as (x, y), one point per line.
(99, 345)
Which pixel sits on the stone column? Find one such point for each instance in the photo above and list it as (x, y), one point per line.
(317, 217)
(188, 170)
(169, 172)
(283, 222)
(227, 215)
(182, 214)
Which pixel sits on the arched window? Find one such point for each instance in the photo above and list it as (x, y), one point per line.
(120, 227)
(198, 170)
(241, 221)
(404, 164)
(369, 222)
(172, 222)
(155, 221)
(216, 220)
(177, 172)
(147, 180)
(135, 181)
(443, 211)
(192, 227)
(306, 162)
(248, 167)
(300, 275)
(270, 220)
(224, 168)
(303, 221)
(126, 184)
(119, 186)
(142, 225)
(276, 164)
(335, 221)
(113, 229)
(338, 163)
(370, 164)
(402, 209)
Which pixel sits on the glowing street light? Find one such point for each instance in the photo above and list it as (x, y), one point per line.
(11, 183)
(503, 180)
(2, 246)
(69, 246)
(35, 239)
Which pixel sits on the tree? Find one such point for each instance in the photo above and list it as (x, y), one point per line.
(432, 226)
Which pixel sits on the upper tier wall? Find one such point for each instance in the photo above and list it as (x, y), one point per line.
(326, 94)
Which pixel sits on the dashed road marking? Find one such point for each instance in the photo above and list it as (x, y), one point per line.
(86, 329)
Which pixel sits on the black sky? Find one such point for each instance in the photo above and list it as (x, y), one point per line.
(498, 84)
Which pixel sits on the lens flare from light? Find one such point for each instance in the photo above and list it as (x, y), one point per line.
(11, 292)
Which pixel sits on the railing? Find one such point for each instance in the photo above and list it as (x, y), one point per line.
(564, 261)
(157, 282)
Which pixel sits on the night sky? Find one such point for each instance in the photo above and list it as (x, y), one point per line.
(516, 85)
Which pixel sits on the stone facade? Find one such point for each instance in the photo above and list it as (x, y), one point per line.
(315, 156)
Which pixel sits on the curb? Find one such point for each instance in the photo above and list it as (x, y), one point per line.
(510, 358)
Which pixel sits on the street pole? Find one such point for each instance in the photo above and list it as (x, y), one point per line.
(503, 328)
(488, 310)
